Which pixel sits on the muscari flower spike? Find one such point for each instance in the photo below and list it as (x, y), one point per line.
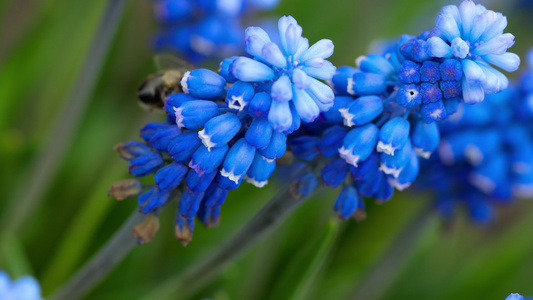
(228, 128)
(201, 30)
(392, 102)
(24, 288)
(486, 154)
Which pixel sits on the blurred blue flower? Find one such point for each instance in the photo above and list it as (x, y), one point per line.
(24, 288)
(201, 30)
(515, 296)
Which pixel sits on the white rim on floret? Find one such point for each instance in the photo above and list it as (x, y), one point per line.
(397, 185)
(237, 103)
(258, 184)
(350, 89)
(231, 176)
(206, 140)
(421, 153)
(386, 148)
(390, 171)
(183, 82)
(348, 156)
(179, 116)
(347, 116)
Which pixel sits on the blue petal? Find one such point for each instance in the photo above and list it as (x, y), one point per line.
(273, 55)
(447, 24)
(346, 203)
(359, 144)
(283, 23)
(496, 28)
(194, 114)
(304, 105)
(300, 79)
(507, 61)
(334, 173)
(282, 89)
(460, 48)
(425, 138)
(205, 161)
(393, 135)
(276, 148)
(280, 116)
(182, 148)
(203, 83)
(343, 80)
(496, 46)
(321, 49)
(259, 133)
(376, 64)
(260, 170)
(438, 48)
(260, 105)
(170, 176)
(468, 11)
(293, 35)
(199, 183)
(220, 130)
(326, 72)
(239, 95)
(250, 70)
(472, 94)
(362, 110)
(473, 72)
(321, 91)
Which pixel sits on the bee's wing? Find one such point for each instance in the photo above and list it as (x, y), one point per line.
(168, 62)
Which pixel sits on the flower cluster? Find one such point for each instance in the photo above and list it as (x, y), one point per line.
(394, 99)
(200, 30)
(24, 288)
(369, 142)
(228, 127)
(367, 136)
(486, 153)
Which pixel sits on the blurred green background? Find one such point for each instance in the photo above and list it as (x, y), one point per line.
(398, 252)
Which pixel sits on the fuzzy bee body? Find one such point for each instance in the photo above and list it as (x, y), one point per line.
(157, 87)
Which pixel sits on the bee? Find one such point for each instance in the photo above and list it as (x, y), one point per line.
(156, 87)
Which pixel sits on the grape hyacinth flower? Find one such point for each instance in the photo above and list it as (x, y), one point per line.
(24, 288)
(486, 154)
(201, 30)
(288, 72)
(391, 103)
(228, 128)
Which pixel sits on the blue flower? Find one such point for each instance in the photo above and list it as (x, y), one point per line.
(24, 288)
(515, 296)
(474, 35)
(201, 30)
(288, 72)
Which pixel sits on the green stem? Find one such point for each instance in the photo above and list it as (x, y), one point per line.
(120, 244)
(47, 163)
